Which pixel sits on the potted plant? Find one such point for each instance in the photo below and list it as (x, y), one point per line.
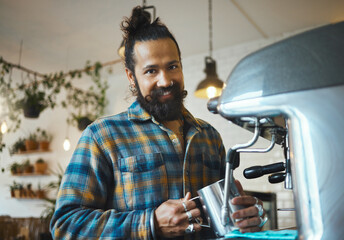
(14, 168)
(18, 190)
(82, 121)
(44, 139)
(13, 188)
(40, 166)
(30, 192)
(18, 146)
(34, 100)
(31, 142)
(27, 167)
(40, 193)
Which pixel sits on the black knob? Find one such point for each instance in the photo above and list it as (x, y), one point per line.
(258, 171)
(233, 157)
(277, 178)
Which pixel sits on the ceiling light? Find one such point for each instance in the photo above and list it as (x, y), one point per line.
(211, 86)
(4, 127)
(66, 144)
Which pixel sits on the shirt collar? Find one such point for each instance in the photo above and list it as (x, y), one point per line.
(137, 113)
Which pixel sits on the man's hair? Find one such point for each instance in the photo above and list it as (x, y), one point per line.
(139, 28)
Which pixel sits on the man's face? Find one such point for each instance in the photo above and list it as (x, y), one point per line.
(157, 68)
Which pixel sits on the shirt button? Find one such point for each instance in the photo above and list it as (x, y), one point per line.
(175, 140)
(187, 173)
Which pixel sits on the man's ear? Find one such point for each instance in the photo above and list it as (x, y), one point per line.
(130, 76)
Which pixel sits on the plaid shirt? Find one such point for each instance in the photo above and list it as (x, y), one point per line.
(124, 167)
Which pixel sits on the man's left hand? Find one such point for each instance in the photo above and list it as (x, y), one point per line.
(250, 221)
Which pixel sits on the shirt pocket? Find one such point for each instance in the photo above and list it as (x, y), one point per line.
(144, 180)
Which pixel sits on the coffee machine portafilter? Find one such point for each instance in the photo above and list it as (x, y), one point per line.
(301, 81)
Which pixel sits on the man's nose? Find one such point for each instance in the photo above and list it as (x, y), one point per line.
(164, 79)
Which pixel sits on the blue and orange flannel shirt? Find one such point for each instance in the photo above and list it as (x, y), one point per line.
(124, 167)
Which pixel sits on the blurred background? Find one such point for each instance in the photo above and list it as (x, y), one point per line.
(44, 41)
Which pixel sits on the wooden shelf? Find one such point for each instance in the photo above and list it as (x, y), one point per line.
(30, 174)
(32, 152)
(23, 198)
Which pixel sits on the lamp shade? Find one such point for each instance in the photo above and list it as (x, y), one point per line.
(211, 86)
(121, 50)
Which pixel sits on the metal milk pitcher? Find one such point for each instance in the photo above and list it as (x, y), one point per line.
(211, 198)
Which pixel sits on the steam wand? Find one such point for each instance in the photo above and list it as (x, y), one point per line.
(232, 162)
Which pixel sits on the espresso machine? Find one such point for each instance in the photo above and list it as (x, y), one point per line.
(292, 93)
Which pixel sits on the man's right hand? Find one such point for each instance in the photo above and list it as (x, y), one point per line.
(171, 220)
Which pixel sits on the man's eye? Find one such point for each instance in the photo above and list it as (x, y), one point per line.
(150, 71)
(173, 67)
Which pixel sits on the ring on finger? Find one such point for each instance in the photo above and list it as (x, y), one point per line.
(184, 205)
(189, 216)
(262, 221)
(260, 209)
(190, 229)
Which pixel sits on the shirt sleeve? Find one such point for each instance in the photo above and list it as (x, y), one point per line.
(84, 206)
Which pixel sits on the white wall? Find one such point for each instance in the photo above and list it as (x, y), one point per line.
(193, 67)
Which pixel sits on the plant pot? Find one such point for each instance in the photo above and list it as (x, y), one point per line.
(31, 145)
(83, 122)
(44, 145)
(41, 167)
(32, 111)
(23, 193)
(17, 193)
(40, 194)
(21, 149)
(28, 169)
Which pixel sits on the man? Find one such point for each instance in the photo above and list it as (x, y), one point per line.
(132, 175)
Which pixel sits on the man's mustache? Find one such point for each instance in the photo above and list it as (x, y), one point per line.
(162, 90)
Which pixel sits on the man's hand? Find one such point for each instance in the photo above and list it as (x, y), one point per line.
(171, 220)
(250, 216)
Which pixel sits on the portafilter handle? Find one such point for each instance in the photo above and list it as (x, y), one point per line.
(258, 171)
(277, 178)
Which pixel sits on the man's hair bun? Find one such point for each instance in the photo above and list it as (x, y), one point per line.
(139, 20)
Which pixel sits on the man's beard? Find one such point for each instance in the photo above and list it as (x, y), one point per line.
(169, 110)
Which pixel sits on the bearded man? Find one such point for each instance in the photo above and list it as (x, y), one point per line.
(133, 174)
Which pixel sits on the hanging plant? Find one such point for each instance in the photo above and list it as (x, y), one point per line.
(32, 97)
(33, 102)
(89, 104)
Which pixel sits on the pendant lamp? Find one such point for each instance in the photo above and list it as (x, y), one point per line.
(211, 86)
(4, 127)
